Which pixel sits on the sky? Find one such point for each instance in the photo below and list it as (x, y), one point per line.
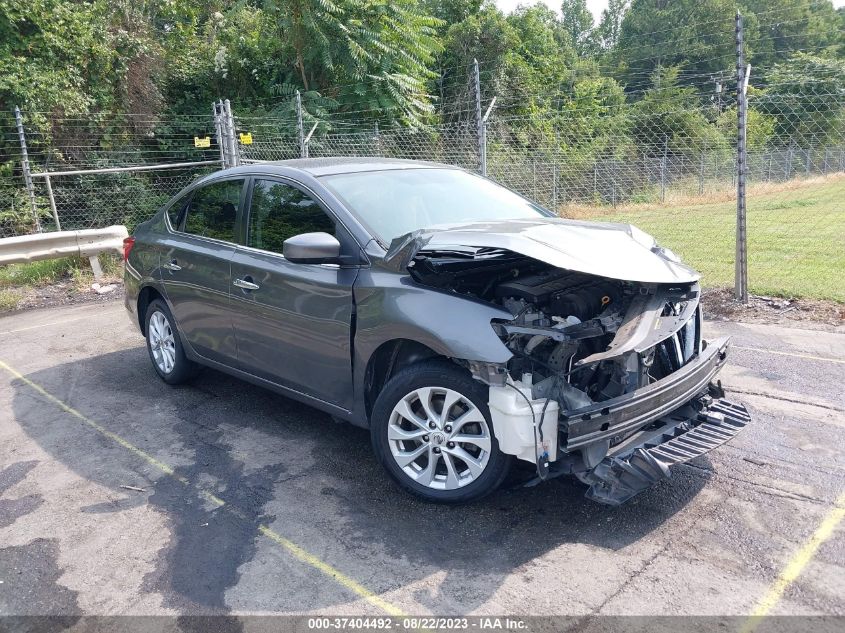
(596, 6)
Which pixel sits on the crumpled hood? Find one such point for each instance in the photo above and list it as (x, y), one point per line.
(616, 251)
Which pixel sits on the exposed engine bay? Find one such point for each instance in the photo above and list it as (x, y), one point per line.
(599, 365)
(564, 323)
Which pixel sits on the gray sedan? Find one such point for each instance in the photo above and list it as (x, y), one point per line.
(467, 327)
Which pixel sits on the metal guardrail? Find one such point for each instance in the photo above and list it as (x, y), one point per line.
(85, 243)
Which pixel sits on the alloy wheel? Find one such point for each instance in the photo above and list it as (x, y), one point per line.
(439, 438)
(162, 342)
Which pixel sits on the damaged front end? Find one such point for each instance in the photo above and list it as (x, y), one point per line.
(610, 379)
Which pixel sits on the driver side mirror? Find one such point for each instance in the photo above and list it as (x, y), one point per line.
(312, 248)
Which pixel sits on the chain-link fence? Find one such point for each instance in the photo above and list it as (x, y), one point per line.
(672, 172)
(664, 158)
(93, 171)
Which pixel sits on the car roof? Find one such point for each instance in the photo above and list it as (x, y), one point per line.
(337, 165)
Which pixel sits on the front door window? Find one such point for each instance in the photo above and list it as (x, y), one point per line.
(279, 211)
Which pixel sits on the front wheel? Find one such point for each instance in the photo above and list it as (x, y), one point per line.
(431, 430)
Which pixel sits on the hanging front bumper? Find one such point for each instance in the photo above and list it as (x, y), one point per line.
(704, 424)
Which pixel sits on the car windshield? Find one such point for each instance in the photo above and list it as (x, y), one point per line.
(393, 202)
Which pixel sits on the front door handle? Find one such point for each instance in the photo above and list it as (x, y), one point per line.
(172, 265)
(245, 284)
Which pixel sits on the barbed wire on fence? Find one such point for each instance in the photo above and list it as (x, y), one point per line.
(662, 154)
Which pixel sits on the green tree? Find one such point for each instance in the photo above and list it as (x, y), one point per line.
(610, 25)
(543, 45)
(591, 120)
(489, 37)
(786, 26)
(669, 119)
(759, 130)
(57, 55)
(577, 21)
(806, 97)
(451, 11)
(378, 50)
(695, 35)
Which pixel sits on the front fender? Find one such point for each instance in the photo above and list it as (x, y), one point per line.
(450, 324)
(390, 306)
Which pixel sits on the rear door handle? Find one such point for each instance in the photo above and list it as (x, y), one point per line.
(245, 284)
(172, 265)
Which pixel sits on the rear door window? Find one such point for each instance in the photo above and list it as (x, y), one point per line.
(214, 209)
(279, 211)
(174, 212)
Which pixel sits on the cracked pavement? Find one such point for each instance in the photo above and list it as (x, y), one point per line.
(710, 541)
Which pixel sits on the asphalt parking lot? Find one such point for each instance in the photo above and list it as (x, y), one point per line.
(121, 495)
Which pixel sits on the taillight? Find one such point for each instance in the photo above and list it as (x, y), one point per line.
(128, 243)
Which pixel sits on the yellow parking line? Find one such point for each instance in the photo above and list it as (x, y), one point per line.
(330, 571)
(291, 547)
(793, 354)
(43, 325)
(796, 565)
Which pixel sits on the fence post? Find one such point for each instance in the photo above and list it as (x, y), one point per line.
(554, 184)
(49, 186)
(224, 136)
(807, 159)
(307, 141)
(701, 175)
(27, 174)
(303, 150)
(482, 145)
(742, 72)
(663, 169)
(824, 168)
(218, 131)
(224, 124)
(613, 183)
(378, 140)
(234, 150)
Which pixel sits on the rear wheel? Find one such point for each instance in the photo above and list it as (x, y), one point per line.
(431, 430)
(164, 346)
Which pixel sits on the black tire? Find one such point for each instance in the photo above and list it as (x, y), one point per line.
(440, 374)
(182, 368)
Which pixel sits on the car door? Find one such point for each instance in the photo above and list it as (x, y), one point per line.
(292, 321)
(196, 259)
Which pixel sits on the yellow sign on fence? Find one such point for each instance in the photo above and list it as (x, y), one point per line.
(246, 138)
(202, 141)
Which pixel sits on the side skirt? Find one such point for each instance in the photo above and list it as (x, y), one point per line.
(322, 405)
